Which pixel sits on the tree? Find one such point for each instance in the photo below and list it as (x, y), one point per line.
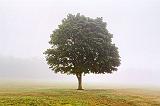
(82, 45)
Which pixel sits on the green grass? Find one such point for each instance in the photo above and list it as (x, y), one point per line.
(71, 97)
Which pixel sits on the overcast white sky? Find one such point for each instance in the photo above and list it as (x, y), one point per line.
(25, 27)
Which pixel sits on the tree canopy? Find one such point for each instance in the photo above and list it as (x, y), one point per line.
(82, 45)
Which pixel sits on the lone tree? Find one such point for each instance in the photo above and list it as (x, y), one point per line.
(82, 45)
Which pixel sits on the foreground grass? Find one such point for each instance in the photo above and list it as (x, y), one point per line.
(64, 97)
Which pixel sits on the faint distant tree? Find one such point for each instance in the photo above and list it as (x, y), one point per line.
(82, 45)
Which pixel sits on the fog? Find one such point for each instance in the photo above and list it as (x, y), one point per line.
(26, 25)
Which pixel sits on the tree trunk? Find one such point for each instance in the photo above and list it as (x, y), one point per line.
(79, 77)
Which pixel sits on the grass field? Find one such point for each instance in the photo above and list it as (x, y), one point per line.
(71, 97)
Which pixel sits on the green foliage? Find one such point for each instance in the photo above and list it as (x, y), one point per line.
(82, 45)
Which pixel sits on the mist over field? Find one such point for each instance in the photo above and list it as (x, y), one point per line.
(35, 70)
(25, 28)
